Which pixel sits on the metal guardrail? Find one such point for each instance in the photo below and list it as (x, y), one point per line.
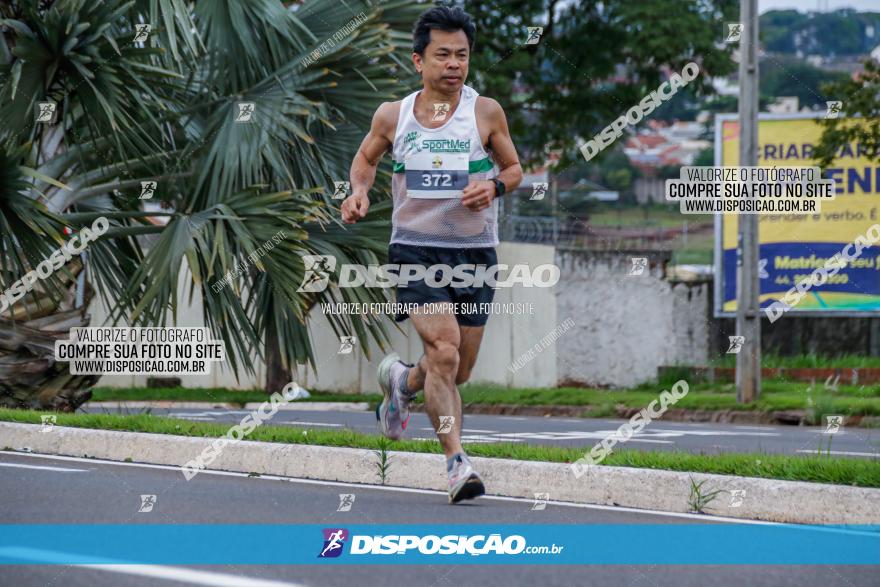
(536, 229)
(571, 232)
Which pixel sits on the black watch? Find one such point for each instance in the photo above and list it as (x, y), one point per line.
(500, 188)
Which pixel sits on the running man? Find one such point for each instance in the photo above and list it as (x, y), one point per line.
(452, 158)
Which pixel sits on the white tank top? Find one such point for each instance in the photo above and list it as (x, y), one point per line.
(431, 167)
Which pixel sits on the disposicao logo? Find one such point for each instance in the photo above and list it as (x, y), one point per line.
(334, 540)
(430, 544)
(319, 268)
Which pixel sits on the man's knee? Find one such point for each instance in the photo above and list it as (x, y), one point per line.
(443, 357)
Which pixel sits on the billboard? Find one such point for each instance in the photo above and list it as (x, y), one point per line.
(793, 245)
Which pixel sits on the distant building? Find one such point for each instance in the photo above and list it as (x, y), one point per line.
(815, 60)
(784, 105)
(604, 195)
(662, 144)
(725, 86)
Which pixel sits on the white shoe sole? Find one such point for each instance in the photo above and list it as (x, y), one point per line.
(383, 373)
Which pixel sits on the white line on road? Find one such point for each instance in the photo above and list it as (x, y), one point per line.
(208, 414)
(596, 435)
(467, 431)
(843, 452)
(191, 576)
(301, 423)
(470, 439)
(62, 469)
(682, 432)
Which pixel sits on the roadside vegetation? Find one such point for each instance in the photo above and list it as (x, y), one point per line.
(776, 395)
(817, 467)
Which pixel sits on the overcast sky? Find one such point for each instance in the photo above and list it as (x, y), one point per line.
(808, 5)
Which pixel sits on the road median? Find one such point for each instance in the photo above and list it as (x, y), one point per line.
(672, 491)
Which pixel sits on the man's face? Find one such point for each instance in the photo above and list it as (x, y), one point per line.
(444, 66)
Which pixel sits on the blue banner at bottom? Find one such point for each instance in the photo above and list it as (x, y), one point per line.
(599, 544)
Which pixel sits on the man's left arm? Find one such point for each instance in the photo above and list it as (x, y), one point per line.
(479, 195)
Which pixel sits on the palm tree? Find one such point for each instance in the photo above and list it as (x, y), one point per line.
(164, 110)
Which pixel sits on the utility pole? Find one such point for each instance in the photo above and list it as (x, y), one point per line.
(554, 201)
(748, 317)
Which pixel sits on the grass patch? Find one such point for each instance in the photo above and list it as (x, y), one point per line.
(806, 361)
(692, 255)
(699, 499)
(775, 395)
(699, 250)
(817, 468)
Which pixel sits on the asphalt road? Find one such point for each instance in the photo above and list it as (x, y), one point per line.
(708, 438)
(58, 490)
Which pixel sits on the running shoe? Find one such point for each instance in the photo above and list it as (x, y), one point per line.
(464, 483)
(393, 412)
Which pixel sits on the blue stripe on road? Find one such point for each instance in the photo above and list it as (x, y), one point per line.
(594, 544)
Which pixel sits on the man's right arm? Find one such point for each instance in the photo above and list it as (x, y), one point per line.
(366, 161)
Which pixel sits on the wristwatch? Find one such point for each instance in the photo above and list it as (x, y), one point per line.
(500, 188)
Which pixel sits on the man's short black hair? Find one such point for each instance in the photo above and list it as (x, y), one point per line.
(442, 18)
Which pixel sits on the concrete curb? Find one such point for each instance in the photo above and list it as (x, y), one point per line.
(175, 405)
(763, 499)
